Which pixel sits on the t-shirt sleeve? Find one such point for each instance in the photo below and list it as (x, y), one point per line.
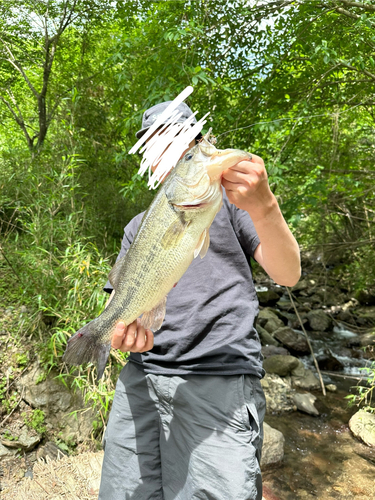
(245, 231)
(129, 233)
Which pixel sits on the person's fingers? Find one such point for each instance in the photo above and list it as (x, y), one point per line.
(149, 341)
(118, 335)
(130, 337)
(141, 338)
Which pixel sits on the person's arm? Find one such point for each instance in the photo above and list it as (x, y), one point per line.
(133, 338)
(246, 185)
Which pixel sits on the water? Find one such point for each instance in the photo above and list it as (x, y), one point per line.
(323, 461)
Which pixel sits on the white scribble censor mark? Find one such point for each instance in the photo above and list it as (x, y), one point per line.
(165, 148)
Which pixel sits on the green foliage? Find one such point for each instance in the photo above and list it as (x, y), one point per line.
(364, 394)
(35, 420)
(8, 435)
(290, 81)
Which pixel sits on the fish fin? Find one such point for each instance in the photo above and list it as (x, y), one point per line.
(203, 244)
(84, 347)
(152, 320)
(174, 233)
(115, 272)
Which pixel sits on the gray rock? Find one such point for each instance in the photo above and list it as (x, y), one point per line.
(6, 452)
(307, 381)
(280, 364)
(25, 441)
(265, 337)
(268, 298)
(362, 425)
(269, 320)
(331, 387)
(272, 350)
(57, 402)
(304, 285)
(50, 450)
(278, 393)
(367, 339)
(318, 320)
(328, 362)
(292, 340)
(305, 403)
(273, 446)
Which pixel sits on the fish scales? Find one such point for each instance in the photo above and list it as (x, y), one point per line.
(173, 231)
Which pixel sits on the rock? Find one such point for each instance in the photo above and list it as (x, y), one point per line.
(23, 309)
(328, 362)
(331, 387)
(268, 298)
(265, 337)
(318, 320)
(304, 378)
(268, 320)
(305, 403)
(346, 316)
(365, 297)
(25, 441)
(6, 452)
(278, 393)
(304, 285)
(273, 446)
(294, 341)
(300, 370)
(284, 304)
(57, 401)
(362, 425)
(272, 350)
(280, 364)
(367, 339)
(50, 450)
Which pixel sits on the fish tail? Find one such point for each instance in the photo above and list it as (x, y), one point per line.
(85, 346)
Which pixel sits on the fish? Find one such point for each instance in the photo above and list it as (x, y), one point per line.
(174, 230)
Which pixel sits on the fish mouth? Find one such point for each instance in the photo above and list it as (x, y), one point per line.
(223, 159)
(189, 206)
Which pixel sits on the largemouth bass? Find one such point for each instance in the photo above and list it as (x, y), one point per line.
(173, 231)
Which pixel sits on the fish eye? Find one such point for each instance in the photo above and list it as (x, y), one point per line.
(188, 156)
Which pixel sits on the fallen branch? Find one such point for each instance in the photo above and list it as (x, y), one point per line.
(309, 343)
(341, 375)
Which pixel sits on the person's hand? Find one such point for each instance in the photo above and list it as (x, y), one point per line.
(246, 185)
(133, 338)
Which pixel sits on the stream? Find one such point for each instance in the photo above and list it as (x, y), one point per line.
(322, 459)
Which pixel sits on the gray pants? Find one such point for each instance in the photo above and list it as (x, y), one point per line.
(194, 437)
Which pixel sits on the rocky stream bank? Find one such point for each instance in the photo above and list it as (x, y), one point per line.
(315, 447)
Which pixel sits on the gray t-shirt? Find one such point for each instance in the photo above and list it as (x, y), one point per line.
(209, 324)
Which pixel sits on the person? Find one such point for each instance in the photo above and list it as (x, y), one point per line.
(187, 415)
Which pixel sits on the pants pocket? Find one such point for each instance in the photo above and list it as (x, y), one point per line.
(249, 410)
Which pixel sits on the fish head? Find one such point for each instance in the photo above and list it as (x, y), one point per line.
(195, 182)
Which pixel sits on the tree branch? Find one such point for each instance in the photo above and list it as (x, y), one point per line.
(360, 5)
(15, 64)
(364, 71)
(347, 13)
(19, 120)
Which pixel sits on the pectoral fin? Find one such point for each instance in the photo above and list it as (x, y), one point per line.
(203, 244)
(174, 233)
(152, 320)
(115, 273)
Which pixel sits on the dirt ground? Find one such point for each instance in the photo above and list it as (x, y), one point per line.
(70, 478)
